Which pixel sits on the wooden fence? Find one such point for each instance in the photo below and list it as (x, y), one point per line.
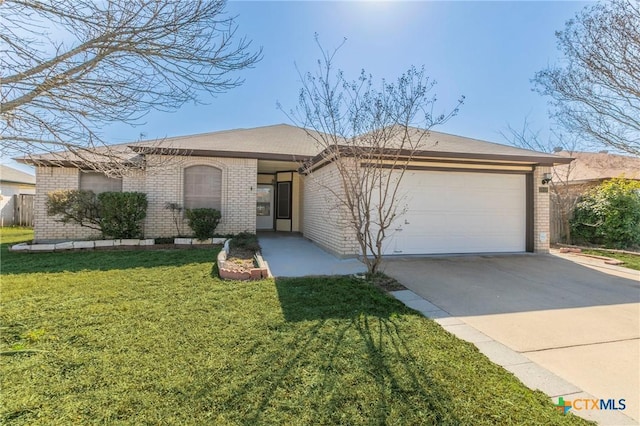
(556, 226)
(23, 209)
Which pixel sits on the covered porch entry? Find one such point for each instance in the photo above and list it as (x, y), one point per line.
(278, 196)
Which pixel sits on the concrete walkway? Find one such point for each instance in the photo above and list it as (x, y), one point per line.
(291, 255)
(570, 330)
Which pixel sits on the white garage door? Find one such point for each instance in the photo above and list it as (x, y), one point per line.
(457, 212)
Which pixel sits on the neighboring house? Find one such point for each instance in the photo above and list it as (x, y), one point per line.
(16, 196)
(570, 181)
(589, 169)
(461, 195)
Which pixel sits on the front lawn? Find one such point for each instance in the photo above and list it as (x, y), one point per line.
(152, 337)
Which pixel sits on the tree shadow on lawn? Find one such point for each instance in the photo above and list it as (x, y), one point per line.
(101, 260)
(346, 343)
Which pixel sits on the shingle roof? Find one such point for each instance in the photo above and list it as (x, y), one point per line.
(286, 142)
(442, 144)
(277, 139)
(593, 166)
(9, 174)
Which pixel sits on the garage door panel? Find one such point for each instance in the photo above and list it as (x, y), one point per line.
(461, 223)
(460, 212)
(438, 243)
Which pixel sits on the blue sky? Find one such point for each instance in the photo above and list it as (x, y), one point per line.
(486, 51)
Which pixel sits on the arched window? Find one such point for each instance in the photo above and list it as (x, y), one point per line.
(202, 187)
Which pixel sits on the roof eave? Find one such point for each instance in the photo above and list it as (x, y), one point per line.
(216, 153)
(81, 164)
(538, 160)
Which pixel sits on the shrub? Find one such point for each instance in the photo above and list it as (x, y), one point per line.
(114, 214)
(75, 206)
(245, 241)
(203, 222)
(609, 215)
(122, 213)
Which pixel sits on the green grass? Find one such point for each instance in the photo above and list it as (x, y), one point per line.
(140, 337)
(630, 261)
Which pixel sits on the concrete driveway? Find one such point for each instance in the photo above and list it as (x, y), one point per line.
(578, 321)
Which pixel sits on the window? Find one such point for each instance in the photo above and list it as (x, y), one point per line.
(99, 182)
(264, 198)
(202, 187)
(284, 200)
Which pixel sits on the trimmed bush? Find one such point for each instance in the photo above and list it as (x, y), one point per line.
(122, 213)
(609, 215)
(75, 206)
(203, 222)
(114, 214)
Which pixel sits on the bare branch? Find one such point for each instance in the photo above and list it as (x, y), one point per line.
(71, 67)
(369, 134)
(597, 91)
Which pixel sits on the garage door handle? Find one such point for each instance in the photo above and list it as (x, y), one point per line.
(398, 229)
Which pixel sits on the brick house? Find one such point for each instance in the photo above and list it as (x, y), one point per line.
(462, 195)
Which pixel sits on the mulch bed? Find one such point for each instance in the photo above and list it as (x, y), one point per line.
(241, 259)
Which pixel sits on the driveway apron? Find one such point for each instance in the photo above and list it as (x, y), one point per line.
(577, 321)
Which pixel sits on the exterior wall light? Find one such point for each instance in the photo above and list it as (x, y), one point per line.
(546, 178)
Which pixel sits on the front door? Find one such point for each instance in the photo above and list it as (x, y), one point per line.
(264, 207)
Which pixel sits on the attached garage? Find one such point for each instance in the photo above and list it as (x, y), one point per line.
(457, 196)
(460, 212)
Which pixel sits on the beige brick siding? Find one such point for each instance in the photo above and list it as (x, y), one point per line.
(162, 183)
(134, 181)
(541, 236)
(325, 221)
(46, 227)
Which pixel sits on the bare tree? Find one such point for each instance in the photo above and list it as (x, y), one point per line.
(370, 135)
(564, 196)
(69, 67)
(597, 90)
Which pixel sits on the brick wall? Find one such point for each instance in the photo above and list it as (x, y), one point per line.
(134, 181)
(162, 182)
(325, 222)
(541, 235)
(46, 227)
